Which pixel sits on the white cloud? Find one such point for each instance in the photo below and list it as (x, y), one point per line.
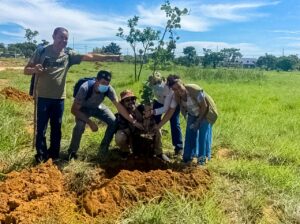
(233, 12)
(86, 27)
(45, 15)
(289, 38)
(295, 45)
(13, 34)
(202, 17)
(156, 17)
(286, 31)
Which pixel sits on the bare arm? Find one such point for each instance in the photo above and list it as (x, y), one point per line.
(100, 57)
(122, 110)
(167, 102)
(202, 111)
(166, 117)
(75, 110)
(31, 69)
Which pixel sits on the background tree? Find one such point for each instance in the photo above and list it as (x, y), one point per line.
(112, 48)
(211, 58)
(142, 42)
(173, 15)
(26, 48)
(30, 35)
(144, 38)
(231, 56)
(132, 38)
(190, 57)
(267, 62)
(2, 48)
(97, 50)
(287, 63)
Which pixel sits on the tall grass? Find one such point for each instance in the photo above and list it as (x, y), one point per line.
(224, 74)
(175, 209)
(258, 123)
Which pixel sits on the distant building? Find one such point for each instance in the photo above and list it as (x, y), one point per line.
(248, 62)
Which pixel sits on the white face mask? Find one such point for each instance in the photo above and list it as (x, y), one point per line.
(159, 87)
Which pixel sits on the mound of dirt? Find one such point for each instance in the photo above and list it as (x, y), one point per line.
(36, 193)
(25, 196)
(128, 187)
(15, 94)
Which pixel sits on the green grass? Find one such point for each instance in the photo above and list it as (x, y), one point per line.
(258, 123)
(175, 209)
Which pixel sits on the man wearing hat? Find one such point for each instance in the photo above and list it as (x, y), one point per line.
(126, 130)
(83, 108)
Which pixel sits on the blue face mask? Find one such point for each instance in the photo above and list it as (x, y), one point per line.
(102, 88)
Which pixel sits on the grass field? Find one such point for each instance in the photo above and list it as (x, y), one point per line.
(256, 144)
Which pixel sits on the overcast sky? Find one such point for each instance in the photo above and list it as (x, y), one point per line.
(255, 27)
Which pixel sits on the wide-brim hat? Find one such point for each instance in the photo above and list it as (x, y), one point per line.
(127, 94)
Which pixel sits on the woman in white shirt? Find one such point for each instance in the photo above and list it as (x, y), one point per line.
(164, 99)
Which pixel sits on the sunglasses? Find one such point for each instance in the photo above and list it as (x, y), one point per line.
(129, 100)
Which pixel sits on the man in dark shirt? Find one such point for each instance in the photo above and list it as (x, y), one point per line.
(127, 133)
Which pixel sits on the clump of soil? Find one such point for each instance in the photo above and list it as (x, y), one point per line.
(15, 94)
(25, 196)
(128, 187)
(36, 193)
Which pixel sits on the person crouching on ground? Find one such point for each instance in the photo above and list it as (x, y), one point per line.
(83, 109)
(125, 135)
(201, 113)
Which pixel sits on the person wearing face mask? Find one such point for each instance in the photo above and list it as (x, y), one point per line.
(164, 98)
(200, 112)
(83, 108)
(49, 66)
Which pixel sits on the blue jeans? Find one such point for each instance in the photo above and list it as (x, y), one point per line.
(175, 125)
(104, 114)
(49, 109)
(197, 142)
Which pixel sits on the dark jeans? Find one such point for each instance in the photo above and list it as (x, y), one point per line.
(49, 109)
(175, 125)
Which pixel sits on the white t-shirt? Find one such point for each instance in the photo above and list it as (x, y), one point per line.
(165, 96)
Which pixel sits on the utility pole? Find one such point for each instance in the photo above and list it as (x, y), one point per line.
(85, 47)
(282, 51)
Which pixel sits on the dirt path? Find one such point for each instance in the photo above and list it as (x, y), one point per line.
(14, 68)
